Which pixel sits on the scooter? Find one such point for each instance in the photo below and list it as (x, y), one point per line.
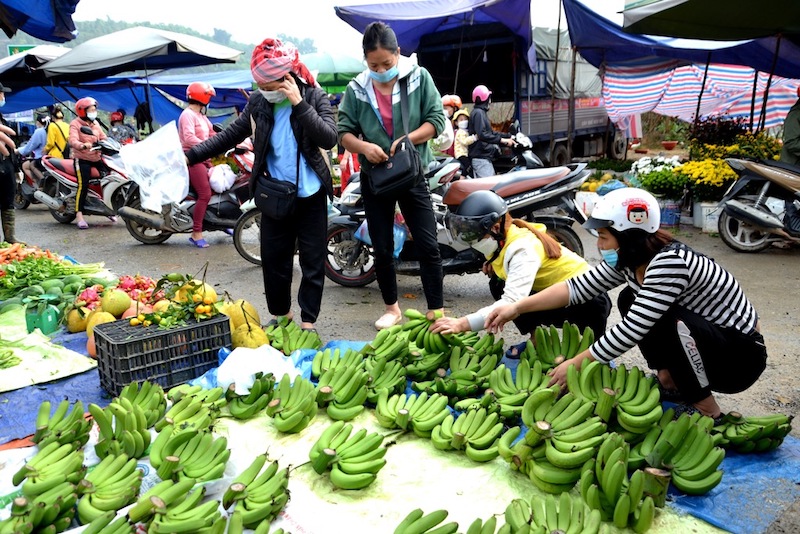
(247, 233)
(106, 190)
(152, 228)
(762, 206)
(349, 261)
(27, 186)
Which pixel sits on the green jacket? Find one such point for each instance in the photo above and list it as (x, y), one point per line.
(358, 111)
(791, 136)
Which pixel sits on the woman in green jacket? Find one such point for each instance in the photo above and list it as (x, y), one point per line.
(371, 125)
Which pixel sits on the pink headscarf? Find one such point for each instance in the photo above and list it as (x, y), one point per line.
(273, 59)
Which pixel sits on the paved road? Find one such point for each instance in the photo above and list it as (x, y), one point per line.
(770, 279)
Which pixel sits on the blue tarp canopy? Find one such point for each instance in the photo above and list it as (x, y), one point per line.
(49, 20)
(600, 41)
(412, 20)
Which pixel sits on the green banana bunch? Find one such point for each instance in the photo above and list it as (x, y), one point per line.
(479, 526)
(109, 523)
(279, 332)
(420, 413)
(389, 344)
(518, 516)
(112, 484)
(244, 407)
(564, 513)
(488, 401)
(475, 432)
(297, 338)
(51, 466)
(343, 391)
(638, 400)
(463, 339)
(193, 454)
(354, 459)
(122, 428)
(752, 434)
(328, 359)
(384, 375)
(178, 392)
(50, 511)
(190, 515)
(63, 426)
(423, 365)
(198, 410)
(149, 396)
(293, 405)
(418, 522)
(265, 495)
(158, 499)
(418, 332)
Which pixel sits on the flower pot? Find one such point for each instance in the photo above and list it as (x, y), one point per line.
(669, 145)
(706, 216)
(670, 212)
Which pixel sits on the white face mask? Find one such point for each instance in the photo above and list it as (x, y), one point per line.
(463, 125)
(486, 246)
(92, 115)
(273, 97)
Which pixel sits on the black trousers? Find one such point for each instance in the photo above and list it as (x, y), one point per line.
(593, 314)
(417, 209)
(714, 359)
(306, 228)
(8, 183)
(83, 171)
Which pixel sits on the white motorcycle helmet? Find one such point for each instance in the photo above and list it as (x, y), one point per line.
(624, 209)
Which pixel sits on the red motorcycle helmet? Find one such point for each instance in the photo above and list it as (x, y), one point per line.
(200, 92)
(454, 101)
(83, 104)
(116, 116)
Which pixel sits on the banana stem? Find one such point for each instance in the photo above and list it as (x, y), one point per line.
(605, 404)
(168, 467)
(458, 440)
(20, 506)
(274, 407)
(402, 418)
(656, 483)
(325, 395)
(325, 458)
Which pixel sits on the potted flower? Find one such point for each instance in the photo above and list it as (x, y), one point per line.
(708, 179)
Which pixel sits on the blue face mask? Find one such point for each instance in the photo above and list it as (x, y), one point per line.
(611, 257)
(385, 76)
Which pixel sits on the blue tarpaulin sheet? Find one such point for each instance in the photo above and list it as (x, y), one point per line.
(774, 477)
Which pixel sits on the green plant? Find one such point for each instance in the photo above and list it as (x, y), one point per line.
(714, 131)
(666, 182)
(708, 179)
(607, 164)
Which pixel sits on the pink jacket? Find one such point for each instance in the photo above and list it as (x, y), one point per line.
(78, 138)
(193, 128)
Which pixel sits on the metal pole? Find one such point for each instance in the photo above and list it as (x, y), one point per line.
(571, 109)
(753, 101)
(762, 120)
(702, 88)
(553, 87)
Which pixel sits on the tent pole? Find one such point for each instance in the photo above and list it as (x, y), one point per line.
(753, 101)
(571, 109)
(762, 120)
(553, 87)
(702, 88)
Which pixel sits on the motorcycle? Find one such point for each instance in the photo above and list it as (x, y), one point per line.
(528, 192)
(247, 233)
(105, 192)
(152, 228)
(27, 186)
(762, 206)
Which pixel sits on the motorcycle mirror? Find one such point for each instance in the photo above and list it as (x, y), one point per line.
(514, 127)
(217, 128)
(86, 130)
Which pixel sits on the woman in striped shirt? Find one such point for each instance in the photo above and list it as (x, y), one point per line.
(689, 316)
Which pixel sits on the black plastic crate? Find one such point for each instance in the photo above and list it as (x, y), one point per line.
(127, 354)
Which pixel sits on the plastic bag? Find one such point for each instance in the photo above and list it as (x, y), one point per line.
(400, 234)
(609, 186)
(158, 166)
(221, 177)
(242, 364)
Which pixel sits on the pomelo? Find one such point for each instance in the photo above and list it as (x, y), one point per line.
(161, 306)
(78, 319)
(135, 309)
(249, 335)
(115, 302)
(195, 287)
(240, 311)
(98, 318)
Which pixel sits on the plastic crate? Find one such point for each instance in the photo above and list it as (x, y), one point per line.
(127, 354)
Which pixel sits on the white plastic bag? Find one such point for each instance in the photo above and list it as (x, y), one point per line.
(242, 364)
(221, 177)
(157, 164)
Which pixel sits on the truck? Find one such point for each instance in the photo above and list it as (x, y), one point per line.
(557, 103)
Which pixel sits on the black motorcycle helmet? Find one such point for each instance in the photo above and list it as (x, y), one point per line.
(474, 218)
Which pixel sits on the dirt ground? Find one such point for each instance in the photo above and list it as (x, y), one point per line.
(770, 279)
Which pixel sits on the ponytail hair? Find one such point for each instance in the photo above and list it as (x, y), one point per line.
(552, 248)
(379, 35)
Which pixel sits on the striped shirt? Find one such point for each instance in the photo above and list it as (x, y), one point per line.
(677, 275)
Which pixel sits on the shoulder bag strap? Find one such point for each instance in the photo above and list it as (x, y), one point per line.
(64, 137)
(404, 103)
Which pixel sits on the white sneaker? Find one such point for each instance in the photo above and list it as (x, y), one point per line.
(387, 320)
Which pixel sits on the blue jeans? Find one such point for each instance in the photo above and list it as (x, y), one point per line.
(482, 168)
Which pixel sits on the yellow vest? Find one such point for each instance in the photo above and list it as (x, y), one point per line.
(551, 270)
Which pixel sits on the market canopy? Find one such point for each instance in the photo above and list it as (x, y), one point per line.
(138, 48)
(23, 68)
(48, 20)
(720, 20)
(602, 42)
(413, 19)
(333, 71)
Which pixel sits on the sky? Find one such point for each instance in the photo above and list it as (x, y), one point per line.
(250, 21)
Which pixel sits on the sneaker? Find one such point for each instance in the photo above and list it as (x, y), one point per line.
(387, 320)
(690, 409)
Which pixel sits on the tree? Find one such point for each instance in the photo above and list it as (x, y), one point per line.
(222, 37)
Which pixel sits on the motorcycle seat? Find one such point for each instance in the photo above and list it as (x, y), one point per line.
(505, 185)
(67, 166)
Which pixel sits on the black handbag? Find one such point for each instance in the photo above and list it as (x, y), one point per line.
(403, 170)
(275, 198)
